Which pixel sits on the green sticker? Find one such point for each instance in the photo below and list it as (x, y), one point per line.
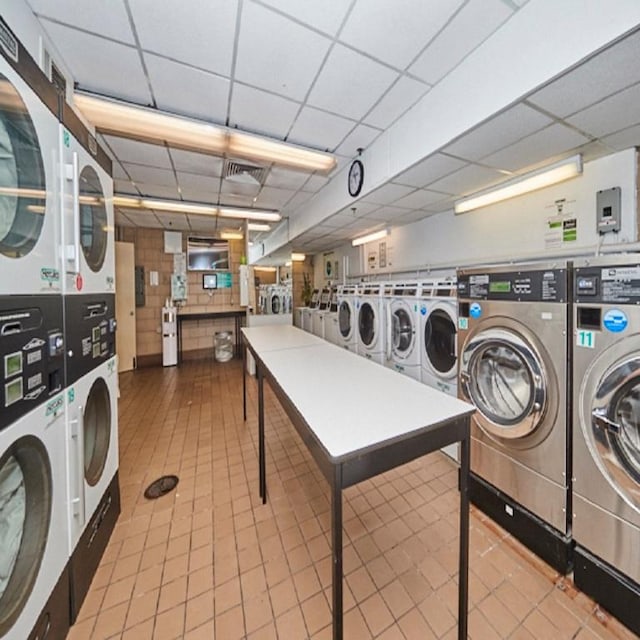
(71, 394)
(586, 339)
(66, 138)
(49, 274)
(55, 405)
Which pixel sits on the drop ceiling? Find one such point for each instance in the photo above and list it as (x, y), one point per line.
(331, 76)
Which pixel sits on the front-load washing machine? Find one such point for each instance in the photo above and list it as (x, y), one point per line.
(34, 577)
(307, 312)
(86, 191)
(403, 328)
(606, 433)
(274, 299)
(347, 318)
(318, 318)
(92, 470)
(29, 206)
(330, 319)
(371, 321)
(438, 328)
(513, 365)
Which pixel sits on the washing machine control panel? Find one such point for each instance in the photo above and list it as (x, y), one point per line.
(608, 284)
(31, 353)
(543, 285)
(90, 327)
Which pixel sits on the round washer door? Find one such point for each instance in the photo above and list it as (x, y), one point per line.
(344, 320)
(275, 303)
(503, 375)
(25, 514)
(93, 219)
(440, 343)
(615, 426)
(96, 431)
(22, 177)
(402, 331)
(367, 323)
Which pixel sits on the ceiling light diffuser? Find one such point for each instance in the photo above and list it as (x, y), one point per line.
(298, 257)
(231, 235)
(250, 214)
(142, 123)
(376, 235)
(257, 226)
(545, 177)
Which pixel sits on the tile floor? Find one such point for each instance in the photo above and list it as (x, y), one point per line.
(210, 561)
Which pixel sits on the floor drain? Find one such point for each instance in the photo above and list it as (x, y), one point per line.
(160, 487)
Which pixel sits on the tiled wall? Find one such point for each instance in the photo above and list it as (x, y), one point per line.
(197, 336)
(299, 269)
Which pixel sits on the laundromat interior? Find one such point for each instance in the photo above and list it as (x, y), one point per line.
(319, 320)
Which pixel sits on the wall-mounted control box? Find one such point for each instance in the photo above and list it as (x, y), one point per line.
(608, 210)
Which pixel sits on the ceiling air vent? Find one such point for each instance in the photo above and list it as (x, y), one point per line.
(244, 173)
(8, 41)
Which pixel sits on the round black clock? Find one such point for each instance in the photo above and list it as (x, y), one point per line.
(356, 178)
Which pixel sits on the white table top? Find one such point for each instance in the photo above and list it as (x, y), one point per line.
(278, 337)
(349, 402)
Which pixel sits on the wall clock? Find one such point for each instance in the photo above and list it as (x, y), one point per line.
(356, 178)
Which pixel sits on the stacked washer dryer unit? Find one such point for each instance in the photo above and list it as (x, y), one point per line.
(403, 327)
(34, 580)
(606, 433)
(372, 321)
(330, 318)
(307, 312)
(513, 351)
(347, 317)
(88, 263)
(317, 318)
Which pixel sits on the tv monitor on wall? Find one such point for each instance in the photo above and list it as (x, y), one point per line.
(207, 254)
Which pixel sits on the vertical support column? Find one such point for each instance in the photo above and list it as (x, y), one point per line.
(336, 550)
(261, 455)
(244, 381)
(463, 577)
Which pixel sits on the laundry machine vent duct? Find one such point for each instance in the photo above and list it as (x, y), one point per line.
(244, 173)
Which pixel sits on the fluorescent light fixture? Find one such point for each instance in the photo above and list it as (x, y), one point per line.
(231, 235)
(545, 177)
(118, 118)
(298, 257)
(257, 226)
(266, 269)
(376, 235)
(288, 263)
(178, 206)
(250, 214)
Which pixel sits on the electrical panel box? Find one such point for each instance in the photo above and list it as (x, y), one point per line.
(139, 286)
(608, 207)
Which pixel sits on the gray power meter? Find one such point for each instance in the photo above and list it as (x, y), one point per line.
(608, 210)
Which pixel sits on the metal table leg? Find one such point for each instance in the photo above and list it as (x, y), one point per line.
(261, 456)
(244, 381)
(463, 577)
(336, 549)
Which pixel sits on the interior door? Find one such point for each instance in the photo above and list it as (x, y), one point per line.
(125, 306)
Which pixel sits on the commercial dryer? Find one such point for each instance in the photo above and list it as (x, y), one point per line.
(371, 321)
(347, 317)
(606, 433)
(513, 365)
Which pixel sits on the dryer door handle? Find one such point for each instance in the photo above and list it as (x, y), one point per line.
(389, 332)
(602, 421)
(77, 499)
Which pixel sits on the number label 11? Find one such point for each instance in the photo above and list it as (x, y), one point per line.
(586, 339)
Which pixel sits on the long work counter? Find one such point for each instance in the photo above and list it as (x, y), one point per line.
(358, 419)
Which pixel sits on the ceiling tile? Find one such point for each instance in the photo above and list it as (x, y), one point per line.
(201, 163)
(361, 208)
(205, 196)
(99, 65)
(108, 19)
(429, 170)
(360, 138)
(315, 183)
(118, 173)
(124, 186)
(199, 182)
(296, 201)
(158, 191)
(126, 150)
(477, 20)
(286, 178)
(145, 219)
(201, 35)
(239, 189)
(543, 145)
(249, 106)
(314, 13)
(122, 220)
(603, 75)
(176, 221)
(419, 199)
(207, 224)
(467, 180)
(387, 193)
(187, 91)
(152, 175)
(350, 83)
(401, 97)
(272, 198)
(319, 129)
(501, 131)
(289, 75)
(413, 216)
(624, 139)
(396, 33)
(443, 205)
(613, 114)
(387, 213)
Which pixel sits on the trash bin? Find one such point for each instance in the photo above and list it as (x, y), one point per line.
(223, 346)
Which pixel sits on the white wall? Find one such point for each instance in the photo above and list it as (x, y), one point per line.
(515, 229)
